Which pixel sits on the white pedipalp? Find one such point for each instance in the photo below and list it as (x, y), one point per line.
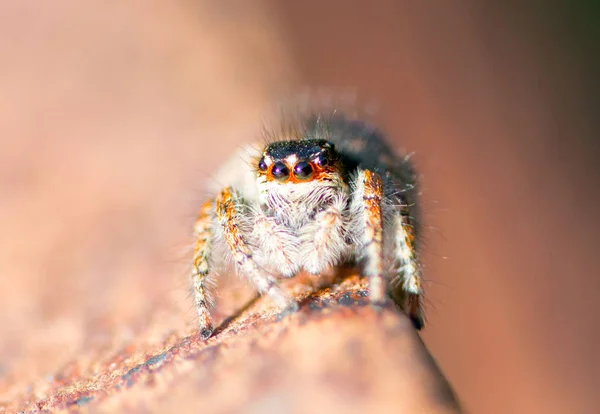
(277, 246)
(324, 240)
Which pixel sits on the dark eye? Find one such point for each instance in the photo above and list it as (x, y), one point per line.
(262, 165)
(303, 170)
(322, 159)
(280, 171)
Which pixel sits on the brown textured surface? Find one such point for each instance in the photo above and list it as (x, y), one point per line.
(336, 354)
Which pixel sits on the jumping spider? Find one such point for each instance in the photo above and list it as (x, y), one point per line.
(331, 192)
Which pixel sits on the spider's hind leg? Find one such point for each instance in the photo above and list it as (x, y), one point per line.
(407, 268)
(368, 204)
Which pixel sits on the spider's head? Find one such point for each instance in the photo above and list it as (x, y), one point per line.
(290, 170)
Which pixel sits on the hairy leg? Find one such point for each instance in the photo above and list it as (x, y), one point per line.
(409, 271)
(367, 207)
(201, 267)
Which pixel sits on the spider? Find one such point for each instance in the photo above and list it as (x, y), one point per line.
(326, 192)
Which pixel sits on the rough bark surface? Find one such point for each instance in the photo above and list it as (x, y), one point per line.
(337, 354)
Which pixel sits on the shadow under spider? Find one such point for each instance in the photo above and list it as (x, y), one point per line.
(229, 319)
(340, 274)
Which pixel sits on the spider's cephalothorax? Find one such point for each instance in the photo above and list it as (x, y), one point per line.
(296, 179)
(334, 194)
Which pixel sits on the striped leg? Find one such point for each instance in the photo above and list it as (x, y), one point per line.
(228, 206)
(409, 271)
(201, 268)
(369, 195)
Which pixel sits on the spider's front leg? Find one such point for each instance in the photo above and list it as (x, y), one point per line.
(367, 207)
(229, 212)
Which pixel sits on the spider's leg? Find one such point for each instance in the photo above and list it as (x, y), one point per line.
(409, 270)
(201, 267)
(229, 208)
(367, 207)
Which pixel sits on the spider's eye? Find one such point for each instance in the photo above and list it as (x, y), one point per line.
(262, 165)
(280, 171)
(303, 170)
(322, 159)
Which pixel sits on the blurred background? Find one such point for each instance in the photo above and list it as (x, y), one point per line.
(114, 114)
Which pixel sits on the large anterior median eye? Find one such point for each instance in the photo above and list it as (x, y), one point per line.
(280, 171)
(303, 170)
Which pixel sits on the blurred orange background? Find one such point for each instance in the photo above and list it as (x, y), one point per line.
(114, 114)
